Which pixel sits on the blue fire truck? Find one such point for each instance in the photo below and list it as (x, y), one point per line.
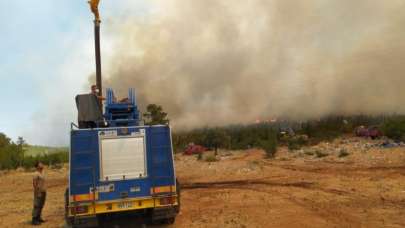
(117, 164)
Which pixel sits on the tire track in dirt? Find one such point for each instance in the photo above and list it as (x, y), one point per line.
(344, 170)
(260, 185)
(332, 210)
(242, 184)
(334, 213)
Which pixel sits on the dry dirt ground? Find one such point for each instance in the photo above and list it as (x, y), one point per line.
(242, 189)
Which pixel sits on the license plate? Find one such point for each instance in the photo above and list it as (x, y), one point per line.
(124, 205)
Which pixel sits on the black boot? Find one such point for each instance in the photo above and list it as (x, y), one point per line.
(41, 220)
(35, 221)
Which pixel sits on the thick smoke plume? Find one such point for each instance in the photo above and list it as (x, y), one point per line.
(213, 62)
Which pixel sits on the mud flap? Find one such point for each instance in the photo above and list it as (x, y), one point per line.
(85, 221)
(163, 213)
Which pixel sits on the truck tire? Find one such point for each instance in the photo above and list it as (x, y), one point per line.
(69, 221)
(167, 221)
(178, 192)
(66, 203)
(170, 220)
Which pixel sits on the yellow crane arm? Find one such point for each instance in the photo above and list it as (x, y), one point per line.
(94, 8)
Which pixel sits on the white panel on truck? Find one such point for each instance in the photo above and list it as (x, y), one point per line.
(123, 158)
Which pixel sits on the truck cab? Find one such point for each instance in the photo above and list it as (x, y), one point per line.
(118, 165)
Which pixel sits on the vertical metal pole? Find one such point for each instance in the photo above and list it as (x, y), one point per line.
(98, 56)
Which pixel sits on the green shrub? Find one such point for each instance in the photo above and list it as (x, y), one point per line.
(395, 128)
(323, 130)
(320, 154)
(211, 158)
(235, 137)
(343, 153)
(53, 160)
(297, 142)
(269, 146)
(11, 154)
(29, 162)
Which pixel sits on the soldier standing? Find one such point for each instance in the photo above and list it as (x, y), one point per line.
(95, 92)
(39, 185)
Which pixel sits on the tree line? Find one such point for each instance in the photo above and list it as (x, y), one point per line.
(13, 155)
(236, 137)
(294, 134)
(267, 136)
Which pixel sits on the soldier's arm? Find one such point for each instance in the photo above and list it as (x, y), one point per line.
(35, 183)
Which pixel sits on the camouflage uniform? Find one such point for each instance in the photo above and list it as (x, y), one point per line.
(39, 195)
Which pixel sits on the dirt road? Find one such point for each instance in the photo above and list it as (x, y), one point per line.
(296, 189)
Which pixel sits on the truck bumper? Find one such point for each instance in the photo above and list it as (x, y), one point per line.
(135, 204)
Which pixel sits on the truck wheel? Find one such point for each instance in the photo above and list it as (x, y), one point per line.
(66, 203)
(69, 221)
(178, 192)
(170, 220)
(167, 221)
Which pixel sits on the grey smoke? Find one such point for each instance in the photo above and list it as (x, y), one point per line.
(213, 62)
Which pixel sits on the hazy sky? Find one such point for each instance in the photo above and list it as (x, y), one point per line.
(46, 55)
